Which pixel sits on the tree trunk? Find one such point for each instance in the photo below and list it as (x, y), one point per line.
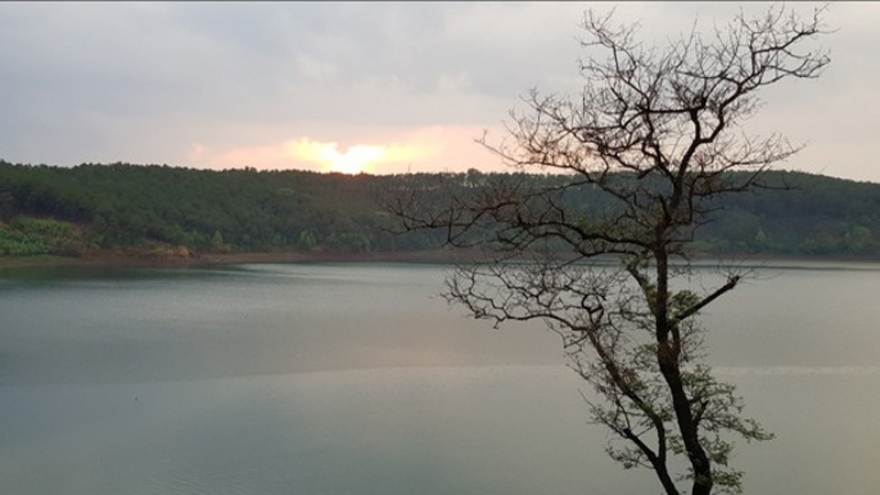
(667, 359)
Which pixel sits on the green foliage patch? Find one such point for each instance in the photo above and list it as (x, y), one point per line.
(25, 236)
(70, 211)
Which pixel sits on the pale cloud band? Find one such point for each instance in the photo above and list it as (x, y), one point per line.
(357, 158)
(425, 149)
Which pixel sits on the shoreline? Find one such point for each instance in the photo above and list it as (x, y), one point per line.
(122, 260)
(147, 261)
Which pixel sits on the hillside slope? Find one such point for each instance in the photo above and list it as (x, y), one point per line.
(161, 209)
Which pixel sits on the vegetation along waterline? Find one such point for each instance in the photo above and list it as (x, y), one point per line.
(123, 213)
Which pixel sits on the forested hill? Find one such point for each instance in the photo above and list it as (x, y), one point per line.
(165, 210)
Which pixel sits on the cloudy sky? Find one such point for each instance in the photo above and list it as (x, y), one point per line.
(389, 87)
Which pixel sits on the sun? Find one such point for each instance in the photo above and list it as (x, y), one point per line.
(354, 160)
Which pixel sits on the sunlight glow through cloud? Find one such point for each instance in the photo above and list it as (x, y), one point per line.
(353, 161)
(307, 154)
(378, 151)
(424, 149)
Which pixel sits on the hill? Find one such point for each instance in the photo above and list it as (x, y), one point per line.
(171, 211)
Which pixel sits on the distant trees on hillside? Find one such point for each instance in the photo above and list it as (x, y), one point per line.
(105, 207)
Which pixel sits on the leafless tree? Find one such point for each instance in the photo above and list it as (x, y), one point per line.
(656, 132)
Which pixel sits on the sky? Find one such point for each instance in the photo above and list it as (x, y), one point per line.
(363, 86)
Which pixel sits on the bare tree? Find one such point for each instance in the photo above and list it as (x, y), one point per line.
(657, 135)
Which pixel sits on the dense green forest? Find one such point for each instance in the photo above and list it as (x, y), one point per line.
(162, 210)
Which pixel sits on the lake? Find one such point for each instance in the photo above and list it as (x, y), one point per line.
(357, 379)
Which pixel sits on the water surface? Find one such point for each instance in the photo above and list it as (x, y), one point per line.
(357, 379)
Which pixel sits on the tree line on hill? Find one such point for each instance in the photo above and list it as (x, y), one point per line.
(161, 209)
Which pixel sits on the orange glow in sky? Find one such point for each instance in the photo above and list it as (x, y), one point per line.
(435, 148)
(354, 160)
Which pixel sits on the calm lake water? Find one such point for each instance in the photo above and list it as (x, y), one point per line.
(357, 379)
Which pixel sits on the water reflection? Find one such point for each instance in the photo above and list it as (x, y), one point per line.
(356, 379)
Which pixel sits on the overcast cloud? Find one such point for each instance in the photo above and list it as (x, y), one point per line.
(286, 85)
